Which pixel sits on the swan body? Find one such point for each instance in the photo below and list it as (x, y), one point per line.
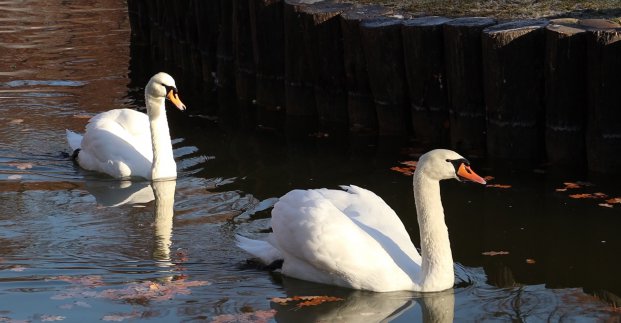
(125, 143)
(352, 238)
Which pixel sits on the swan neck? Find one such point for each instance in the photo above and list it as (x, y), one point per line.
(163, 162)
(437, 259)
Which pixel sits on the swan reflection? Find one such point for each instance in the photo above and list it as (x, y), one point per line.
(362, 306)
(118, 193)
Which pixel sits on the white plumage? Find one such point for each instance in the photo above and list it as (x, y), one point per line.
(352, 238)
(125, 143)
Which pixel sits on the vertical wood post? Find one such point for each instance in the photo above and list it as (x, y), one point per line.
(513, 56)
(464, 68)
(423, 48)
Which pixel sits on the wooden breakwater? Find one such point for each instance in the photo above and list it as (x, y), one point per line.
(522, 90)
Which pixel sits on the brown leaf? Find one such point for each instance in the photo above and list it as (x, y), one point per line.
(597, 195)
(411, 163)
(571, 185)
(530, 261)
(494, 253)
(488, 178)
(615, 200)
(403, 170)
(498, 185)
(304, 301)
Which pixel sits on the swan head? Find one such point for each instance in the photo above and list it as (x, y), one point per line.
(442, 164)
(162, 85)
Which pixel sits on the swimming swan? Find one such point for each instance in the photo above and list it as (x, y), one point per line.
(125, 143)
(352, 238)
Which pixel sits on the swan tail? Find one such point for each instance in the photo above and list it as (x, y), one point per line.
(259, 248)
(74, 139)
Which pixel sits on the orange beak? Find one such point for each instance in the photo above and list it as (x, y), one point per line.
(466, 173)
(174, 98)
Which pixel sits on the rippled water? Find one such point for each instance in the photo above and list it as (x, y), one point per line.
(76, 246)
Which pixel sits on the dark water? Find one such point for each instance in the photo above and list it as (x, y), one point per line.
(76, 246)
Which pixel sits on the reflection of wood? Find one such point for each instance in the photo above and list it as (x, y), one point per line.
(566, 98)
(513, 83)
(423, 49)
(245, 70)
(266, 23)
(383, 50)
(225, 75)
(462, 56)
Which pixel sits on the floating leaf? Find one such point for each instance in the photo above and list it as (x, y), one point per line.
(403, 170)
(16, 121)
(615, 200)
(597, 195)
(498, 185)
(488, 178)
(606, 205)
(118, 317)
(22, 166)
(303, 301)
(530, 261)
(410, 163)
(251, 317)
(52, 318)
(494, 253)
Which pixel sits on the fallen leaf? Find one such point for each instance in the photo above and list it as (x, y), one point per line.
(589, 196)
(304, 301)
(403, 170)
(616, 200)
(16, 121)
(494, 253)
(251, 317)
(52, 318)
(488, 178)
(22, 166)
(606, 205)
(410, 163)
(498, 185)
(118, 317)
(530, 261)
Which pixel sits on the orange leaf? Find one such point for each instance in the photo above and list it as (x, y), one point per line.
(410, 163)
(317, 300)
(589, 196)
(616, 200)
(403, 170)
(530, 261)
(494, 253)
(488, 178)
(498, 185)
(571, 185)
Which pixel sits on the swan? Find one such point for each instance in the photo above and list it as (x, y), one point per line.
(352, 238)
(125, 143)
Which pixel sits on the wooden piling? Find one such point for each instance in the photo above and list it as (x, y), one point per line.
(299, 91)
(603, 140)
(266, 23)
(513, 56)
(464, 66)
(324, 50)
(245, 70)
(565, 92)
(360, 105)
(383, 51)
(423, 48)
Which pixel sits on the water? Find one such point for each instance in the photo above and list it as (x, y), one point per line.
(77, 246)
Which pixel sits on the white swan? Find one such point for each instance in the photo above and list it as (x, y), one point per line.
(125, 143)
(353, 239)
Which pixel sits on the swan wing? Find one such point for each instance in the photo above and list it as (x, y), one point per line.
(118, 143)
(322, 243)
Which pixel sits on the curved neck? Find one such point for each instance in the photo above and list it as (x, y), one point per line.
(163, 165)
(437, 259)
